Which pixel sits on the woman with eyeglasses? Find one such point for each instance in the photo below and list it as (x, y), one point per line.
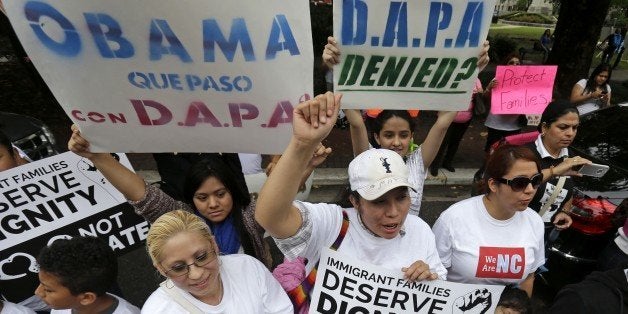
(199, 280)
(496, 238)
(394, 130)
(593, 93)
(558, 127)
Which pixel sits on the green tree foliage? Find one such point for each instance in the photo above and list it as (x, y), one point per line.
(575, 42)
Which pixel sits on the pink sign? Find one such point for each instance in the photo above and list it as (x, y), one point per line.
(522, 89)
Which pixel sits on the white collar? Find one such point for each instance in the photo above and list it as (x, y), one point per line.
(564, 152)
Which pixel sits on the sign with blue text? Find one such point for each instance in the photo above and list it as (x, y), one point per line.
(170, 76)
(416, 54)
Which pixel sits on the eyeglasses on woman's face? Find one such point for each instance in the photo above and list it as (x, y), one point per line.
(181, 269)
(520, 183)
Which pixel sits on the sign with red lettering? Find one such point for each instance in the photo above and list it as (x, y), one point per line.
(501, 262)
(522, 89)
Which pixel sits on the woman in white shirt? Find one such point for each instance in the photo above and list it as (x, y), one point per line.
(495, 238)
(183, 249)
(594, 93)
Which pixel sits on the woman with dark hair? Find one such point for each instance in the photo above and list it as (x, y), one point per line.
(210, 191)
(496, 238)
(502, 125)
(9, 155)
(546, 42)
(558, 127)
(593, 93)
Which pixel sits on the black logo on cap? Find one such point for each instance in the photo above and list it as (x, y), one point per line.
(385, 164)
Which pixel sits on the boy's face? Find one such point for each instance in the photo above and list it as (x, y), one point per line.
(54, 293)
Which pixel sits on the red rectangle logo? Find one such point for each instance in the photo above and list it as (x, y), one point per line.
(501, 262)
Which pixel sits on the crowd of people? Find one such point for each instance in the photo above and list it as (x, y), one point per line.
(207, 235)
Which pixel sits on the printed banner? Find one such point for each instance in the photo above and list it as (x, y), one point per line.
(169, 76)
(58, 197)
(523, 89)
(409, 54)
(347, 285)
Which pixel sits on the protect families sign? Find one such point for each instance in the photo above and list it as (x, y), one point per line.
(58, 197)
(346, 285)
(164, 76)
(409, 54)
(523, 89)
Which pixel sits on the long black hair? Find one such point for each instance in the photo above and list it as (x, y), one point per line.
(215, 167)
(376, 124)
(590, 87)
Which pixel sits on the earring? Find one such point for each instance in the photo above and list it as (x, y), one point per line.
(168, 281)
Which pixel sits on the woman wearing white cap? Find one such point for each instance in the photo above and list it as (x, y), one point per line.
(379, 231)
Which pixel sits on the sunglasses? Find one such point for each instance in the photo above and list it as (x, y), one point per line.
(518, 184)
(373, 113)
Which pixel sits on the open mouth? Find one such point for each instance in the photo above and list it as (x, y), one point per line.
(390, 228)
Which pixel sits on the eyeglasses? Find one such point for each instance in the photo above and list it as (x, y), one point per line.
(199, 261)
(518, 184)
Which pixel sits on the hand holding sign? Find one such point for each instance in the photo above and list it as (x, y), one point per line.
(522, 89)
(418, 271)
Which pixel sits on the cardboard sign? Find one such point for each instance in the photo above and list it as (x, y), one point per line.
(58, 197)
(198, 76)
(523, 89)
(411, 54)
(347, 285)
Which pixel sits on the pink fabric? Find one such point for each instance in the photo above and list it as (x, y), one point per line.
(465, 116)
(290, 274)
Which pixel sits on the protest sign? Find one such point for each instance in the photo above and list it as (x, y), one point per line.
(58, 197)
(347, 285)
(411, 54)
(169, 76)
(522, 89)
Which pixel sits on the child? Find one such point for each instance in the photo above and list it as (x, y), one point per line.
(75, 274)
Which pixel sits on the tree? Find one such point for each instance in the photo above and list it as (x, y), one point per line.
(576, 36)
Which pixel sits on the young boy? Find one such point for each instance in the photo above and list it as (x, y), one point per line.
(74, 275)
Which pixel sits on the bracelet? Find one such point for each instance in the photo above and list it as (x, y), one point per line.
(551, 168)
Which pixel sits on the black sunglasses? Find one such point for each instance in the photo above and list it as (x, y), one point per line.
(519, 184)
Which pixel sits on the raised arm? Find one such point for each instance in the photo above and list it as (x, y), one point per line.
(358, 131)
(130, 184)
(312, 122)
(435, 137)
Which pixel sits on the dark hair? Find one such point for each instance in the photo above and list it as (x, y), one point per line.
(82, 264)
(6, 143)
(504, 157)
(510, 56)
(515, 299)
(214, 167)
(590, 86)
(555, 110)
(378, 123)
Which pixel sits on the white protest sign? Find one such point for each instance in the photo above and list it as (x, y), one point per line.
(347, 285)
(54, 198)
(170, 76)
(409, 54)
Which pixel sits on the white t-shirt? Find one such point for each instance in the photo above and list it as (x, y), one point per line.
(591, 104)
(12, 308)
(417, 243)
(123, 307)
(477, 248)
(248, 288)
(417, 179)
(251, 163)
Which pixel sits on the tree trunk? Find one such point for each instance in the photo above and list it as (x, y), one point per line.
(575, 39)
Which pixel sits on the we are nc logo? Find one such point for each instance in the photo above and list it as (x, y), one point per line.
(501, 262)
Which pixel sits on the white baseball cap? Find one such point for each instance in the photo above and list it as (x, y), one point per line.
(377, 171)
